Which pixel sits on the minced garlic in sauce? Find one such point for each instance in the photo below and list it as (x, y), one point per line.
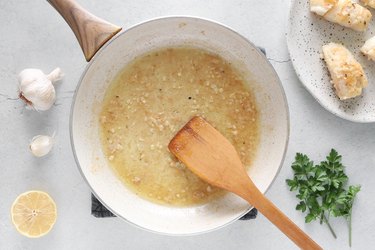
(151, 99)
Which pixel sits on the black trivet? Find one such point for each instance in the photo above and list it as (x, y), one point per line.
(100, 211)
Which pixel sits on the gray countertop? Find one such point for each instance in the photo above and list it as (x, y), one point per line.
(34, 35)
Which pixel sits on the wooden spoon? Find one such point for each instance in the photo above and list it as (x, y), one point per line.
(208, 154)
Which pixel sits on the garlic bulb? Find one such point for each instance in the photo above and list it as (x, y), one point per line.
(41, 145)
(36, 88)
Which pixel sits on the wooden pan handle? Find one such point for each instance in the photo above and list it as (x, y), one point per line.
(278, 218)
(92, 32)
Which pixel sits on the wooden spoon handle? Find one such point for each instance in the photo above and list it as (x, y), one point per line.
(92, 32)
(279, 219)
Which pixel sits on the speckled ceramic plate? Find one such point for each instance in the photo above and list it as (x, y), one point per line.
(306, 34)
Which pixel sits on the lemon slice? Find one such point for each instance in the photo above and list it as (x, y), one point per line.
(33, 213)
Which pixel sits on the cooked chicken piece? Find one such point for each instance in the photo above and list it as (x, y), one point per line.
(343, 12)
(321, 7)
(370, 3)
(347, 74)
(369, 48)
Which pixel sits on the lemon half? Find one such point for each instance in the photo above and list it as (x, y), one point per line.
(34, 213)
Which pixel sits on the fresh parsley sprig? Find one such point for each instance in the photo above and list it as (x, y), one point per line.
(321, 189)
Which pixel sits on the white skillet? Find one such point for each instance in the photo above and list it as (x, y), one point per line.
(106, 61)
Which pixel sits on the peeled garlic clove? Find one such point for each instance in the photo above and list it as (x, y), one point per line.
(36, 88)
(41, 145)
